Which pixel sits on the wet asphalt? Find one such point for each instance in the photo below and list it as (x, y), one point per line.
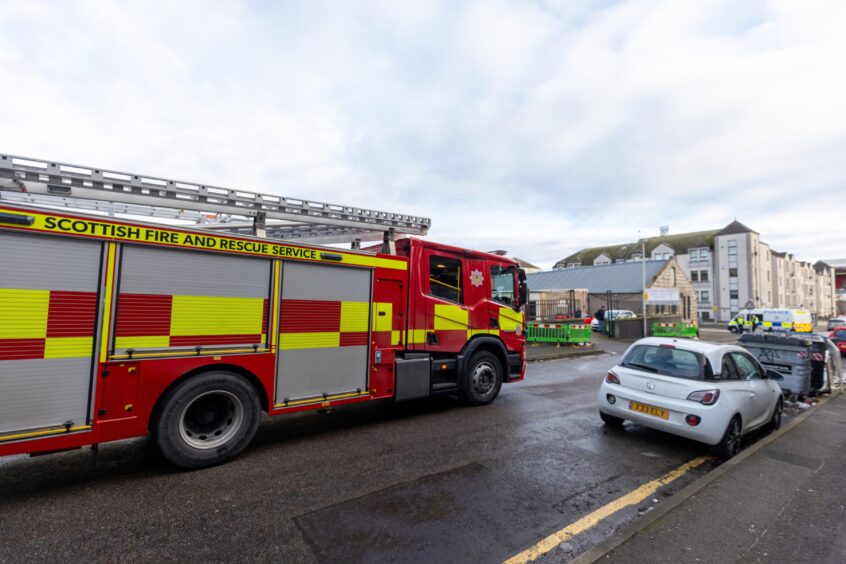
(408, 482)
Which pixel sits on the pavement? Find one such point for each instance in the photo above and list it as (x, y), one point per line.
(783, 503)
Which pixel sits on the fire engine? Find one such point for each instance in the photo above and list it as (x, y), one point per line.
(112, 328)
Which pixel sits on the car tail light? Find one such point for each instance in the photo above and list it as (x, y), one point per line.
(705, 397)
(611, 378)
(692, 420)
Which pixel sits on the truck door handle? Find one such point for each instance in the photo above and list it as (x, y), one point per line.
(494, 323)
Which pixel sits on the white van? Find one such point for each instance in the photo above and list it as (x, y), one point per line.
(767, 319)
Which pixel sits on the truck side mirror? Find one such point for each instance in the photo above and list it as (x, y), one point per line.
(523, 298)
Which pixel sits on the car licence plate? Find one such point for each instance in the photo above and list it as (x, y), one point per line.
(649, 410)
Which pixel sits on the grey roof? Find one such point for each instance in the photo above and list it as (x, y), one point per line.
(835, 263)
(620, 278)
(734, 228)
(680, 243)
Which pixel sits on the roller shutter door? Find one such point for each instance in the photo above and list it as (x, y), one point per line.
(48, 310)
(176, 299)
(323, 331)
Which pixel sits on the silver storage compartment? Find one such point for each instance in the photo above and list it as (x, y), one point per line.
(413, 378)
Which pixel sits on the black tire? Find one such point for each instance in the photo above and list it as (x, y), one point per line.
(482, 378)
(733, 330)
(775, 420)
(611, 420)
(729, 445)
(206, 420)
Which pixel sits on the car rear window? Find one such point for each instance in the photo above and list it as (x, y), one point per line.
(840, 335)
(666, 361)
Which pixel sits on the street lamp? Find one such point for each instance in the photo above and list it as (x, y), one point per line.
(643, 280)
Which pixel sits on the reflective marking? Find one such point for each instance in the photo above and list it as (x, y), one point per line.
(111, 249)
(592, 519)
(451, 317)
(23, 313)
(45, 433)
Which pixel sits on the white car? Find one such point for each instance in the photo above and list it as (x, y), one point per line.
(704, 391)
(613, 314)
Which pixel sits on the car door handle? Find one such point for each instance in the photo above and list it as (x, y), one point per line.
(753, 395)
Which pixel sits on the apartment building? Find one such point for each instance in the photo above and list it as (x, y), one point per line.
(730, 269)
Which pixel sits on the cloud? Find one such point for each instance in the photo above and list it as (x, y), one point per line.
(538, 127)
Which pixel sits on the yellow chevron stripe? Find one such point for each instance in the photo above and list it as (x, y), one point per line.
(354, 317)
(68, 347)
(288, 341)
(509, 319)
(23, 313)
(152, 342)
(215, 315)
(111, 251)
(448, 317)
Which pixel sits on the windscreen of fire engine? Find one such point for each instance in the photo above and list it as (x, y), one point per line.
(502, 284)
(445, 278)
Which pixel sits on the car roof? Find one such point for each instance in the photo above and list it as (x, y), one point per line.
(713, 351)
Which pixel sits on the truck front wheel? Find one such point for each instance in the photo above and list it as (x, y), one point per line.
(482, 378)
(206, 420)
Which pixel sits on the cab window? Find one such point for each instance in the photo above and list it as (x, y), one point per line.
(445, 278)
(502, 284)
(746, 367)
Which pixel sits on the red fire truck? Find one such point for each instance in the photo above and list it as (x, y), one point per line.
(114, 328)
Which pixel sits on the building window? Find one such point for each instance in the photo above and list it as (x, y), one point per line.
(703, 276)
(445, 278)
(733, 272)
(706, 315)
(694, 276)
(694, 255)
(705, 296)
(733, 294)
(732, 248)
(703, 254)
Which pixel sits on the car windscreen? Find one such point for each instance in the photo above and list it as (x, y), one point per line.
(668, 361)
(840, 335)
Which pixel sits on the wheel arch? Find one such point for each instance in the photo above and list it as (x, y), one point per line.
(222, 367)
(483, 343)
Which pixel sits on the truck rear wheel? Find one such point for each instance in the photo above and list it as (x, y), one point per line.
(206, 420)
(482, 378)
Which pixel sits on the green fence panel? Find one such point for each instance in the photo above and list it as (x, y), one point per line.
(557, 333)
(683, 330)
(578, 333)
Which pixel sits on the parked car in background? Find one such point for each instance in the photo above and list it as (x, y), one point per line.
(612, 314)
(836, 322)
(838, 335)
(704, 391)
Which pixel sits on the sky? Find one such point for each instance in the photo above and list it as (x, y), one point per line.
(539, 127)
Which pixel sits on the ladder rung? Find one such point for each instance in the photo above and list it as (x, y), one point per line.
(64, 181)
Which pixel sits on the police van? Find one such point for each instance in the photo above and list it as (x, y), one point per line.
(791, 320)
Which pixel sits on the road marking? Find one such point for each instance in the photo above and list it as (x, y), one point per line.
(592, 519)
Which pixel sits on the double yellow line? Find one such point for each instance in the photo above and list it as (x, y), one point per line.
(592, 519)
